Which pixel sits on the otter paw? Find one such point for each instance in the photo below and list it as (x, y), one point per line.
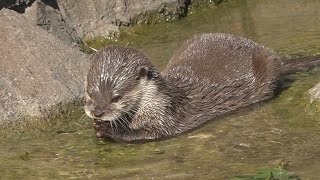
(103, 129)
(101, 135)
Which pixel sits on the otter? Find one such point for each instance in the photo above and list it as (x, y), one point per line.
(209, 75)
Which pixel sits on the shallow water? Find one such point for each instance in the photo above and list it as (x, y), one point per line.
(284, 129)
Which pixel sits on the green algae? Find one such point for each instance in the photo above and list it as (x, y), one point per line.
(279, 173)
(58, 118)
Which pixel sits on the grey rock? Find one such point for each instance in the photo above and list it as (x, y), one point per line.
(37, 70)
(51, 20)
(93, 18)
(315, 93)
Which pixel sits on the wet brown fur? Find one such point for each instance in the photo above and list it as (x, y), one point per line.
(210, 75)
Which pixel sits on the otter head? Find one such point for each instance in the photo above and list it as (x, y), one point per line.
(115, 83)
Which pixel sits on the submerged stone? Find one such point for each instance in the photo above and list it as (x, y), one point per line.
(315, 93)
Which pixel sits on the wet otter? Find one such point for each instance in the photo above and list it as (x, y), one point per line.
(211, 74)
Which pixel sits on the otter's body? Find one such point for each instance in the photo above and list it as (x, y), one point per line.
(211, 74)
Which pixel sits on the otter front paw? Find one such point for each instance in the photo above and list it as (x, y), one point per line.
(103, 129)
(101, 135)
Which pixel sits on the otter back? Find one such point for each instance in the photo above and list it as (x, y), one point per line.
(223, 72)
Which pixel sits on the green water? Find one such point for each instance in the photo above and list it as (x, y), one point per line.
(283, 130)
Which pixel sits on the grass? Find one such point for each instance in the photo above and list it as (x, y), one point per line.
(278, 173)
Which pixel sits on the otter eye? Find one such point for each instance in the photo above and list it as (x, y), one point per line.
(115, 98)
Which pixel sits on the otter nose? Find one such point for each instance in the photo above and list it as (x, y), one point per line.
(97, 113)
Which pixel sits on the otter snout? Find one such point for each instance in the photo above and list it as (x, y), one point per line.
(97, 113)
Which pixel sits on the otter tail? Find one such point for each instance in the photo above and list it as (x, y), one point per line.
(293, 65)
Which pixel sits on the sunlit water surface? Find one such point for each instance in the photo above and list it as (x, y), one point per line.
(284, 129)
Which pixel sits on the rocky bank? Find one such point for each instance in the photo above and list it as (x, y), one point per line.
(37, 71)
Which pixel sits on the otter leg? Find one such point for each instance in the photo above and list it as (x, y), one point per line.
(140, 121)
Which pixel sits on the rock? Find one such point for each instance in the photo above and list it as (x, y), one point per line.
(71, 19)
(93, 18)
(315, 93)
(37, 70)
(51, 20)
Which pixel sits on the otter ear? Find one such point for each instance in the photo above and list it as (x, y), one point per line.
(142, 72)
